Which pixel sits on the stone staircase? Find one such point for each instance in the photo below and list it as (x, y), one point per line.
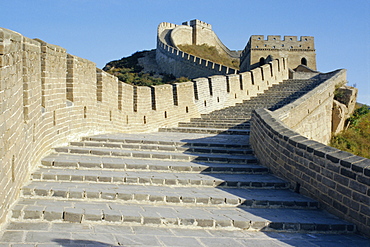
(202, 174)
(235, 119)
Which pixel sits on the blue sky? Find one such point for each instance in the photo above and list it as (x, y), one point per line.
(102, 31)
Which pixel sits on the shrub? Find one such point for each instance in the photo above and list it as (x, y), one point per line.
(128, 70)
(356, 138)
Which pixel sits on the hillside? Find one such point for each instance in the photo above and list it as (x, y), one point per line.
(356, 138)
(140, 69)
(211, 53)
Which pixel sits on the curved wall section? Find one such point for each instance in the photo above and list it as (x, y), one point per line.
(49, 97)
(340, 181)
(174, 61)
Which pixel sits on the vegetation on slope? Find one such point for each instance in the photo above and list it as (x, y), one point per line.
(210, 53)
(128, 70)
(356, 138)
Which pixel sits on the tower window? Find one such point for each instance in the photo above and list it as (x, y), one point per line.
(304, 61)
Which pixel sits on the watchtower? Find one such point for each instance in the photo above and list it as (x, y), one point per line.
(259, 51)
(202, 32)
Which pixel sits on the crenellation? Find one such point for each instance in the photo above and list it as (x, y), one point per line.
(273, 38)
(201, 24)
(258, 51)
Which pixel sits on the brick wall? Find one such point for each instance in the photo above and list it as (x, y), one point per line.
(49, 97)
(311, 115)
(340, 181)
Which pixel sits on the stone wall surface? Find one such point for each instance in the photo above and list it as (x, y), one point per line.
(311, 115)
(289, 47)
(49, 97)
(290, 140)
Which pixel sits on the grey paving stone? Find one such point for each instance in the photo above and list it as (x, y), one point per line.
(260, 242)
(12, 236)
(70, 227)
(179, 241)
(137, 240)
(34, 226)
(220, 242)
(48, 237)
(154, 231)
(97, 239)
(113, 229)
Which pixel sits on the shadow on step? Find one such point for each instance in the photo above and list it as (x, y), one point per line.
(78, 243)
(258, 192)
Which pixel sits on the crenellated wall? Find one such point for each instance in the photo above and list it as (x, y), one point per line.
(289, 141)
(311, 115)
(174, 61)
(49, 97)
(258, 50)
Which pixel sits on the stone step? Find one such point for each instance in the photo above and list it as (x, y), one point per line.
(208, 120)
(171, 148)
(200, 124)
(64, 160)
(185, 216)
(276, 196)
(227, 118)
(261, 180)
(206, 130)
(174, 139)
(162, 155)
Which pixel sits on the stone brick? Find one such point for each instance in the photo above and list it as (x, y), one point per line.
(347, 162)
(73, 214)
(347, 173)
(358, 187)
(33, 212)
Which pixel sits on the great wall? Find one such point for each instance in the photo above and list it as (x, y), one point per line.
(49, 99)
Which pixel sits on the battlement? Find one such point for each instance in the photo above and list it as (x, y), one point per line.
(275, 42)
(197, 23)
(278, 38)
(297, 50)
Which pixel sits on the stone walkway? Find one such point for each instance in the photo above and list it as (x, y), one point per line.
(76, 234)
(195, 185)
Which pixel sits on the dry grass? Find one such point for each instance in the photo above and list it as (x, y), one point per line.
(356, 139)
(210, 53)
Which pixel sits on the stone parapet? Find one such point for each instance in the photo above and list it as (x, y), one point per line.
(340, 181)
(49, 97)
